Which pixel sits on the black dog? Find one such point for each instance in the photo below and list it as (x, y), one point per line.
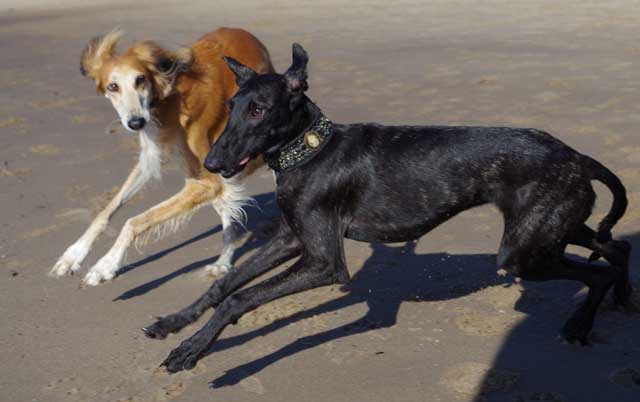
(389, 184)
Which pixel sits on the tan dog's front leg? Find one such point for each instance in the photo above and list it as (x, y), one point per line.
(70, 261)
(193, 195)
(148, 167)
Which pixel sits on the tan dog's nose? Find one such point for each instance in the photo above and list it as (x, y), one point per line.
(136, 123)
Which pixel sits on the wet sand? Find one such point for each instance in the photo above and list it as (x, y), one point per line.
(426, 321)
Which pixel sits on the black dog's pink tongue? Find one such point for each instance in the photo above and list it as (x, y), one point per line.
(244, 161)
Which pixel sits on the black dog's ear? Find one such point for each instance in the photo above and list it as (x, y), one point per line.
(296, 75)
(242, 72)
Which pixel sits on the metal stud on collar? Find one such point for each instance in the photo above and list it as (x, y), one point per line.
(312, 139)
(303, 147)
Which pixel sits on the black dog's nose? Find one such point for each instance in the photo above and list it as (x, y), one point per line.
(136, 123)
(213, 165)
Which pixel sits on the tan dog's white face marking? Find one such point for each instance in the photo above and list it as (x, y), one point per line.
(135, 79)
(131, 94)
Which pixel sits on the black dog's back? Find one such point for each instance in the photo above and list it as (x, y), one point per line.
(405, 180)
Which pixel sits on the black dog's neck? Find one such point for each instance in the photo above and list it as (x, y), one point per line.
(303, 117)
(308, 132)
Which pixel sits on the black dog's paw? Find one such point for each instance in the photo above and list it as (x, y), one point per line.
(622, 294)
(184, 357)
(623, 246)
(165, 326)
(576, 330)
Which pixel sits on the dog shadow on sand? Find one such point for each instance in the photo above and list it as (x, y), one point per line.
(261, 219)
(533, 366)
(412, 278)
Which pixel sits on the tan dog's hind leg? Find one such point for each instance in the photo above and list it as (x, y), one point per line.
(229, 198)
(194, 194)
(229, 205)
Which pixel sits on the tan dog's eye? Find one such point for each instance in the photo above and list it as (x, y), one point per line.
(113, 87)
(140, 80)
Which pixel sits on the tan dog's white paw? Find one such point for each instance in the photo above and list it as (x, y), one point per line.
(70, 261)
(104, 270)
(216, 270)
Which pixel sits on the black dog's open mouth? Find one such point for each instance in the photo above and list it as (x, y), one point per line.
(239, 168)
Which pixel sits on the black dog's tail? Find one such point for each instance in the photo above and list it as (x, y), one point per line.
(600, 173)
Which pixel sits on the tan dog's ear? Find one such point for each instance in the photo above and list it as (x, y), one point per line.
(167, 66)
(164, 65)
(97, 52)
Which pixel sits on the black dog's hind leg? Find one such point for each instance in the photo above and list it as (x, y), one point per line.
(282, 247)
(598, 280)
(616, 252)
(535, 251)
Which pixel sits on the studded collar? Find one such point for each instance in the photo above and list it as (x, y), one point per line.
(304, 147)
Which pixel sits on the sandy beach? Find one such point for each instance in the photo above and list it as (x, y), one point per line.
(426, 321)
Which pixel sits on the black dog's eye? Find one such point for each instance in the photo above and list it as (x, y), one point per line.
(113, 87)
(140, 80)
(256, 112)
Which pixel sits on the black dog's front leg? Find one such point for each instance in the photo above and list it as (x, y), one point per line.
(303, 275)
(282, 247)
(322, 263)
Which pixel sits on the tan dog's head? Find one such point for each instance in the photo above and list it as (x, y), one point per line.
(135, 80)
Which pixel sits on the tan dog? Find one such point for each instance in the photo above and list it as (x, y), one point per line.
(176, 103)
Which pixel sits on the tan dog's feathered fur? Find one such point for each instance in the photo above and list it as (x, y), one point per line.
(176, 102)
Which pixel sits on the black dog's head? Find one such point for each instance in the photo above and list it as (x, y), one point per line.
(260, 114)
